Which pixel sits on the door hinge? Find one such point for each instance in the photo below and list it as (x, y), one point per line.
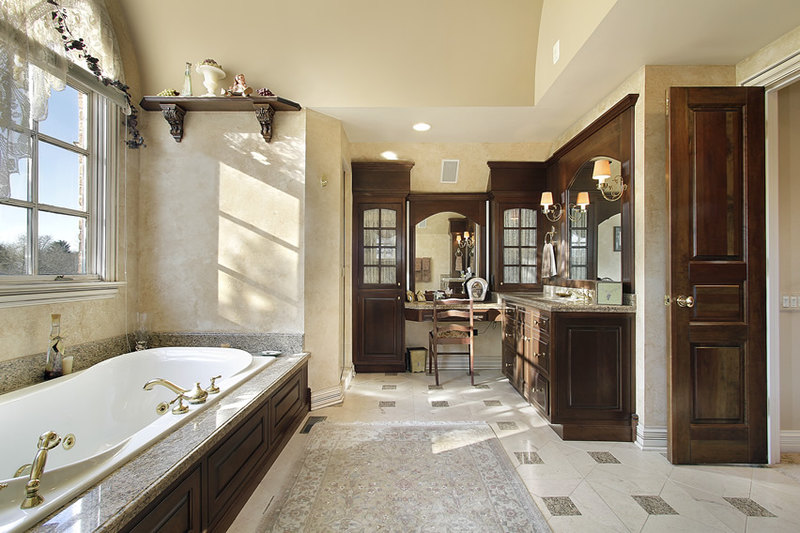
(667, 107)
(667, 300)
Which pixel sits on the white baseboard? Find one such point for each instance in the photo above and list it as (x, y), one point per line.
(461, 362)
(651, 439)
(790, 441)
(327, 397)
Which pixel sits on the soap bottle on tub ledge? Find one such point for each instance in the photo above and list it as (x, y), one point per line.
(53, 366)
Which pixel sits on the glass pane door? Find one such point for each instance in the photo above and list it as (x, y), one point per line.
(380, 233)
(519, 245)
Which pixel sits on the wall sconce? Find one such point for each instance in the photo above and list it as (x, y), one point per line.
(579, 205)
(551, 211)
(610, 187)
(466, 243)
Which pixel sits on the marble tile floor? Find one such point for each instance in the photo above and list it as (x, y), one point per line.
(578, 486)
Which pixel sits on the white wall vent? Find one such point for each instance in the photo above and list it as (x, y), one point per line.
(449, 170)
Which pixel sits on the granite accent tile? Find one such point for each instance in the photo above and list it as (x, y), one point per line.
(606, 458)
(310, 421)
(389, 387)
(383, 404)
(749, 507)
(482, 386)
(654, 505)
(435, 387)
(529, 458)
(440, 403)
(561, 506)
(492, 403)
(286, 343)
(507, 426)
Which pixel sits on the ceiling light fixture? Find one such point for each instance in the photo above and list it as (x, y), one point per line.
(421, 126)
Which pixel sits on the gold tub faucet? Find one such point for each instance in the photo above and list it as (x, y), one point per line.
(47, 441)
(195, 395)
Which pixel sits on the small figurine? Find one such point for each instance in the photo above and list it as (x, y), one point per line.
(239, 87)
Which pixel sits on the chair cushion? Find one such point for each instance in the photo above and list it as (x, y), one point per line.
(452, 334)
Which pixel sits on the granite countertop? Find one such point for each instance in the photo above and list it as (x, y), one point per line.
(108, 505)
(561, 305)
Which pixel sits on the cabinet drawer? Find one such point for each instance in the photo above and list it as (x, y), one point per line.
(285, 404)
(540, 354)
(540, 323)
(539, 394)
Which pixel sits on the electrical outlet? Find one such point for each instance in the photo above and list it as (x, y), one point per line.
(786, 301)
(793, 301)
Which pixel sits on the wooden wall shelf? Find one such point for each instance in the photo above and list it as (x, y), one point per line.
(174, 108)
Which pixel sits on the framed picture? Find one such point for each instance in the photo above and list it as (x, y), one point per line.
(617, 238)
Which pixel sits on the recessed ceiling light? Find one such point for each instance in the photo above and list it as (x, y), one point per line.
(388, 154)
(421, 126)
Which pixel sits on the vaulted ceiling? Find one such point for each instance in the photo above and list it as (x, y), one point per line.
(477, 71)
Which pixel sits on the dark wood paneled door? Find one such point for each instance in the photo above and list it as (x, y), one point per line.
(379, 326)
(717, 370)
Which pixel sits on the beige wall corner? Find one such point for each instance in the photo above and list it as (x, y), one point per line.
(473, 173)
(222, 216)
(324, 251)
(780, 49)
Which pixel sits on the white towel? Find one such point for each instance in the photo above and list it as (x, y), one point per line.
(548, 260)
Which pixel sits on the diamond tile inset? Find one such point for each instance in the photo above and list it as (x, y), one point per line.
(440, 403)
(310, 423)
(435, 387)
(507, 426)
(604, 458)
(492, 403)
(389, 387)
(561, 506)
(386, 404)
(749, 507)
(482, 386)
(529, 458)
(654, 505)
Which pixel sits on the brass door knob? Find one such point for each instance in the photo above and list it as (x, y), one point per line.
(685, 301)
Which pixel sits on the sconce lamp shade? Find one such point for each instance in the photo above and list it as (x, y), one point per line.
(547, 199)
(602, 170)
(583, 199)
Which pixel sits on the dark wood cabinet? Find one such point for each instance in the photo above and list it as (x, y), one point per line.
(379, 259)
(217, 486)
(574, 367)
(517, 224)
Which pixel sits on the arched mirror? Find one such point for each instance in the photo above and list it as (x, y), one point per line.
(595, 229)
(447, 246)
(447, 240)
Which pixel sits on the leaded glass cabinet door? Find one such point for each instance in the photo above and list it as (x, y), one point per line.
(519, 250)
(379, 326)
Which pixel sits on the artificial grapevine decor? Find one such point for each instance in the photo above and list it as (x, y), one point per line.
(59, 16)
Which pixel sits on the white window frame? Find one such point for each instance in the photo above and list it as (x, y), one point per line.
(103, 144)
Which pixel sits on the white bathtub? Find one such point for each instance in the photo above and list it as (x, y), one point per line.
(109, 413)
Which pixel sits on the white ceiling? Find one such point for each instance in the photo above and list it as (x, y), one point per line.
(380, 70)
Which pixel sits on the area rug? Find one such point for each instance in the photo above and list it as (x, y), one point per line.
(405, 477)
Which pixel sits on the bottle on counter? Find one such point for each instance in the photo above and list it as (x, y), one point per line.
(53, 366)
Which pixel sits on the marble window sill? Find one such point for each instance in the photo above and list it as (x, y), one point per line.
(47, 292)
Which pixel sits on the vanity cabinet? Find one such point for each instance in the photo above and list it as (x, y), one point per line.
(575, 367)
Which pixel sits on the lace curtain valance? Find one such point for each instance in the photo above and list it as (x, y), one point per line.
(33, 62)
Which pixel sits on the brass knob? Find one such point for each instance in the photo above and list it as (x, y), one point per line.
(685, 301)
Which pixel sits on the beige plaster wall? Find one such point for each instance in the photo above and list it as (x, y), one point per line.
(473, 173)
(571, 22)
(222, 215)
(789, 244)
(324, 250)
(776, 51)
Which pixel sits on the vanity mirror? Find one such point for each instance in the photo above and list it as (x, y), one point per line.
(595, 234)
(447, 237)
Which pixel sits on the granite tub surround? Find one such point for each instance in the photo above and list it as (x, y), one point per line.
(29, 370)
(286, 343)
(118, 498)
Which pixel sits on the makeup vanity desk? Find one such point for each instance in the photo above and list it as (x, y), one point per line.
(573, 362)
(483, 311)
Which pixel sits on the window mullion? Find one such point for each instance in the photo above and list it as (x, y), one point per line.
(32, 257)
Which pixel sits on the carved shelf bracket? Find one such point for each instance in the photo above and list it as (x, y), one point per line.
(265, 113)
(174, 114)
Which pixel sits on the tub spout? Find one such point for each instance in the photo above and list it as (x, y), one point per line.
(195, 395)
(47, 441)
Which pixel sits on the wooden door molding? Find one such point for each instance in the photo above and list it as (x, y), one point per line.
(717, 364)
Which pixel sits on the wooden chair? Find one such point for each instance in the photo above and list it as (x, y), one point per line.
(453, 323)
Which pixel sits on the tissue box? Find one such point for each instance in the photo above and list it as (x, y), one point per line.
(609, 293)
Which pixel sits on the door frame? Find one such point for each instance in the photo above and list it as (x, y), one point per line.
(774, 78)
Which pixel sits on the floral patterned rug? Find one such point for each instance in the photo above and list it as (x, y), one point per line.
(405, 477)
